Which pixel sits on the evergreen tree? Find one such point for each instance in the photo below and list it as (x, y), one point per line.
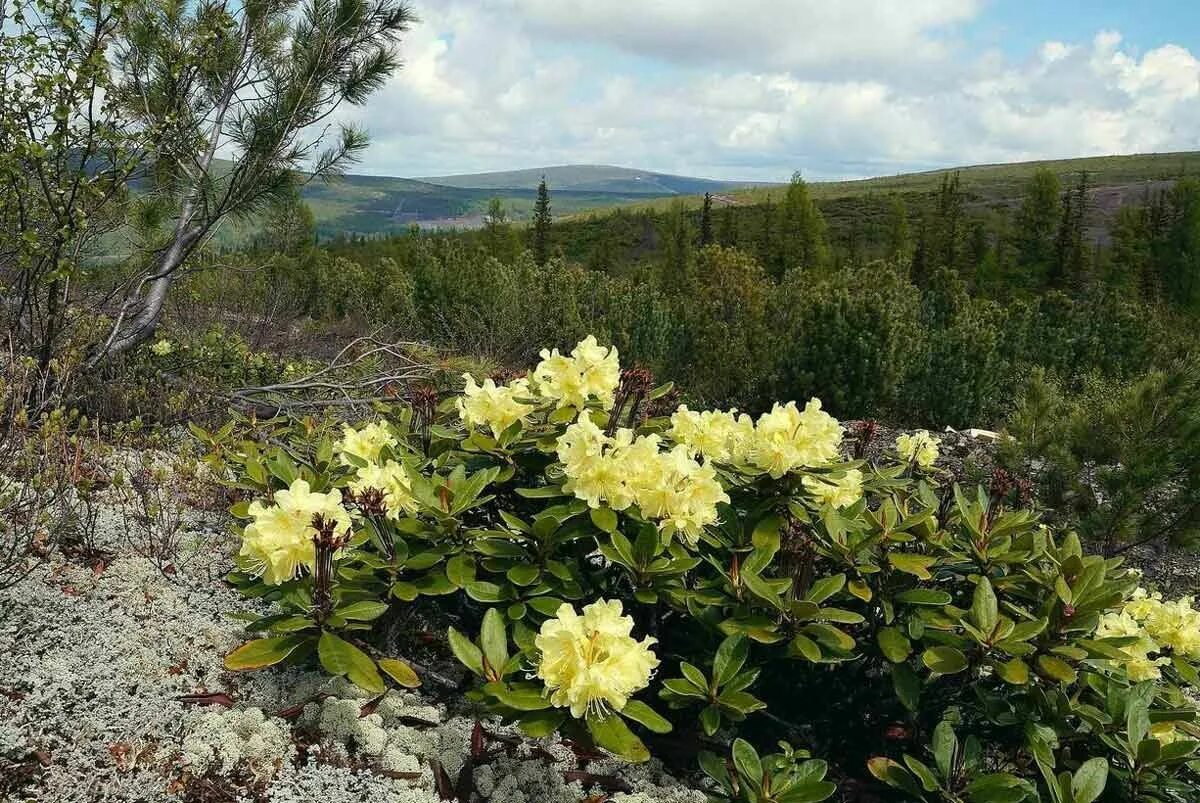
(497, 232)
(1181, 263)
(677, 238)
(920, 269)
(803, 241)
(1034, 227)
(767, 251)
(706, 225)
(897, 230)
(728, 236)
(541, 225)
(947, 231)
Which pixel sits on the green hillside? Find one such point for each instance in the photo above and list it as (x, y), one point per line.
(378, 204)
(593, 178)
(989, 183)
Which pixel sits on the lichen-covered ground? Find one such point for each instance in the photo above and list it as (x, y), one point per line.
(94, 661)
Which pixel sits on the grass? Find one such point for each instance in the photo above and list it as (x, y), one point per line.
(984, 183)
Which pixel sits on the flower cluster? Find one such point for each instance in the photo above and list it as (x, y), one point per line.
(1158, 627)
(836, 490)
(919, 448)
(719, 435)
(591, 662)
(365, 444)
(496, 407)
(625, 470)
(591, 372)
(782, 440)
(162, 347)
(279, 541)
(392, 479)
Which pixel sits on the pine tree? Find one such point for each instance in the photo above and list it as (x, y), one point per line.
(541, 225)
(920, 269)
(803, 242)
(767, 252)
(729, 232)
(897, 230)
(1036, 219)
(706, 226)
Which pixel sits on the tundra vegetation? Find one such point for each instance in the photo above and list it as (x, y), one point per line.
(640, 568)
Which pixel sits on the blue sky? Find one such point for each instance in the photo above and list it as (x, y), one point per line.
(834, 89)
(1019, 26)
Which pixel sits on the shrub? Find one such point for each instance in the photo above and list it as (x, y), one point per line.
(1121, 461)
(671, 582)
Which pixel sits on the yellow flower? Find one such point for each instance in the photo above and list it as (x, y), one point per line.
(838, 492)
(1140, 666)
(787, 438)
(592, 371)
(162, 347)
(1165, 732)
(717, 435)
(599, 369)
(365, 443)
(492, 406)
(920, 447)
(1142, 604)
(392, 479)
(626, 469)
(279, 542)
(1175, 625)
(591, 663)
(1118, 625)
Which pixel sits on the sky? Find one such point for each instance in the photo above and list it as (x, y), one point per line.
(758, 89)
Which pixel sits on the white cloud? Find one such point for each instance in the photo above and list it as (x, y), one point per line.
(832, 88)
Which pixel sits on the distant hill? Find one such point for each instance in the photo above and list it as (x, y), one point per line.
(988, 183)
(379, 204)
(592, 178)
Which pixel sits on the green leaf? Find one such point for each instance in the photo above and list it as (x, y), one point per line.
(912, 563)
(641, 713)
(262, 652)
(523, 574)
(525, 697)
(944, 660)
(1089, 780)
(907, 686)
(895, 645)
(539, 724)
(400, 672)
(747, 762)
(808, 793)
(1056, 669)
(945, 747)
(340, 657)
(730, 657)
(545, 492)
(604, 518)
(894, 775)
(924, 596)
(363, 611)
(465, 650)
(1015, 672)
(493, 638)
(612, 734)
(984, 608)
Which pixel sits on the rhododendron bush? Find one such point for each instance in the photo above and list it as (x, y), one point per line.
(714, 583)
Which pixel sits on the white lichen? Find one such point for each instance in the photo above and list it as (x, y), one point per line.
(245, 740)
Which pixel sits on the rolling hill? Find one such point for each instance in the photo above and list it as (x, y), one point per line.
(378, 204)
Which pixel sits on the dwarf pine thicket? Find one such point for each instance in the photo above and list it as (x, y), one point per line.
(643, 579)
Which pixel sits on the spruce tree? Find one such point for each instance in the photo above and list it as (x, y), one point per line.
(706, 226)
(803, 242)
(541, 225)
(1036, 219)
(897, 230)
